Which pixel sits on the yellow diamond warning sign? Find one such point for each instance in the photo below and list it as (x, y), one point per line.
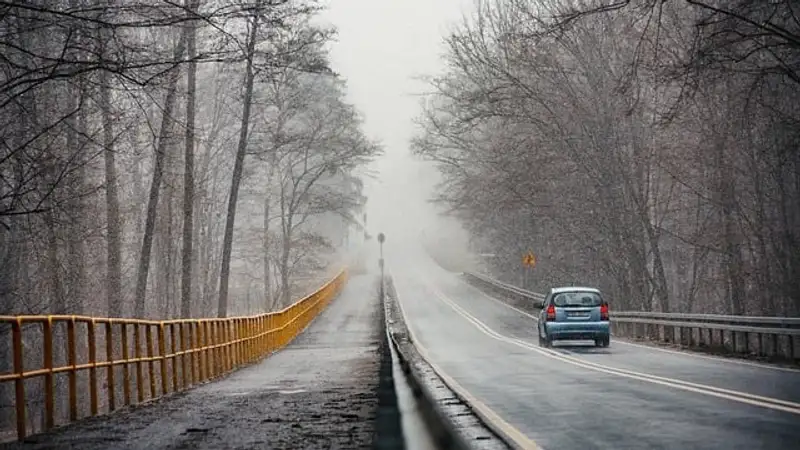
(529, 260)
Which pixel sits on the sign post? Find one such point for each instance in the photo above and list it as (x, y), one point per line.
(528, 263)
(381, 240)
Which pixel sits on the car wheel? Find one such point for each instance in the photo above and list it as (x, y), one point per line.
(544, 341)
(606, 342)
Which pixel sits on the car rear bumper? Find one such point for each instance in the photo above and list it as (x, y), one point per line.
(577, 330)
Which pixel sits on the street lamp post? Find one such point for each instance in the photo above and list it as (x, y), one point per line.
(381, 240)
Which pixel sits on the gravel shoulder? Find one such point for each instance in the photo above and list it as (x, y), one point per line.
(317, 393)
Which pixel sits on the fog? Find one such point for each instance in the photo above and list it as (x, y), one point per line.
(382, 50)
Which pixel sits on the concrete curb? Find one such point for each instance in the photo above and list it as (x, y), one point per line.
(453, 423)
(388, 425)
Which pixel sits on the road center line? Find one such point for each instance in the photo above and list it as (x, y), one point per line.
(649, 347)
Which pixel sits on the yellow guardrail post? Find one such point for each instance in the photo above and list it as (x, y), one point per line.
(215, 349)
(110, 368)
(126, 374)
(150, 351)
(137, 349)
(201, 364)
(195, 358)
(185, 358)
(19, 381)
(72, 361)
(206, 351)
(162, 354)
(49, 404)
(174, 356)
(93, 367)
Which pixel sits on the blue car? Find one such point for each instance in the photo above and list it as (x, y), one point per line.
(574, 313)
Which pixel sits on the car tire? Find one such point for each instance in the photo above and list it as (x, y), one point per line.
(606, 342)
(544, 342)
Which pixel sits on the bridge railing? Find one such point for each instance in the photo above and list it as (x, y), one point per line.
(141, 359)
(761, 336)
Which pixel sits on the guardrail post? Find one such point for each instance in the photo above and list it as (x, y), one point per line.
(72, 360)
(183, 328)
(746, 342)
(248, 323)
(110, 368)
(194, 359)
(93, 367)
(126, 372)
(19, 382)
(207, 356)
(137, 351)
(260, 337)
(270, 332)
(225, 345)
(162, 354)
(234, 330)
(775, 345)
(218, 343)
(49, 401)
(209, 343)
(174, 358)
(200, 351)
(225, 349)
(151, 372)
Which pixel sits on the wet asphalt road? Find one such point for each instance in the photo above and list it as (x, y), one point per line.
(582, 397)
(318, 392)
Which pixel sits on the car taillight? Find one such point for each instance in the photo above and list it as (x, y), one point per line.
(603, 312)
(551, 312)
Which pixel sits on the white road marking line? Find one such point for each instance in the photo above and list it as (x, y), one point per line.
(708, 357)
(520, 439)
(651, 347)
(742, 397)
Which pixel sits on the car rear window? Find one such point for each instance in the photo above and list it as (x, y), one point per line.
(577, 299)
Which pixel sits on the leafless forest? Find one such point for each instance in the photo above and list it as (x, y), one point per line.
(144, 143)
(647, 147)
(170, 159)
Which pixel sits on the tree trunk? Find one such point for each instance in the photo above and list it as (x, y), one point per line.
(76, 247)
(188, 173)
(113, 220)
(285, 288)
(227, 245)
(152, 202)
(269, 303)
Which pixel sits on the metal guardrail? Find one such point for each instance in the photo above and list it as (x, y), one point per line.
(169, 355)
(533, 298)
(745, 334)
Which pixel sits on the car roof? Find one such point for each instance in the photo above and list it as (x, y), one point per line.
(559, 290)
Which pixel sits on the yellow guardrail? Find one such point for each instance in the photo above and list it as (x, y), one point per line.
(166, 356)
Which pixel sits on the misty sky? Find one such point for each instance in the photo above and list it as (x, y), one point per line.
(382, 46)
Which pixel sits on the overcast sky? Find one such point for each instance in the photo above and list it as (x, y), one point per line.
(382, 46)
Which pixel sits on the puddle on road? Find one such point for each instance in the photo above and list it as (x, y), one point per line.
(281, 390)
(292, 391)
